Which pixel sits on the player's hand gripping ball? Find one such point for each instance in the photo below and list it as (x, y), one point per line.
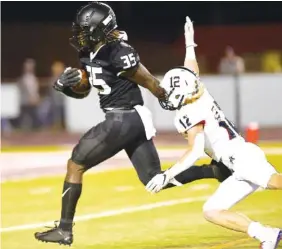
(76, 79)
(83, 86)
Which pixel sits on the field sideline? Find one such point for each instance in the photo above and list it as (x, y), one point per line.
(115, 212)
(41, 163)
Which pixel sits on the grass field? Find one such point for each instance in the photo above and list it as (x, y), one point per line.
(171, 219)
(46, 148)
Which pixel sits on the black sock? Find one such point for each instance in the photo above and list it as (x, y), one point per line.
(195, 173)
(70, 196)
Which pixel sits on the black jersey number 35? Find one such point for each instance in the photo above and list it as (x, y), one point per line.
(128, 61)
(100, 84)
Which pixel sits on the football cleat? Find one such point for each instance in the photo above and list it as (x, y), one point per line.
(55, 235)
(274, 241)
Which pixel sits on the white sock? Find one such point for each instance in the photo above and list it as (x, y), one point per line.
(257, 231)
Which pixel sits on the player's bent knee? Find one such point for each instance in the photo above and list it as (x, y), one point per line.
(275, 182)
(211, 215)
(209, 205)
(74, 167)
(74, 172)
(77, 156)
(211, 210)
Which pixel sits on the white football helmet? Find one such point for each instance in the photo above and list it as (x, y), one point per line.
(181, 84)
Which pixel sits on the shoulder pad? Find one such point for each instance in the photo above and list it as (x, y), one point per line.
(188, 117)
(124, 57)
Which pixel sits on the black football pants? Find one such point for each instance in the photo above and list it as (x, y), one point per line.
(122, 129)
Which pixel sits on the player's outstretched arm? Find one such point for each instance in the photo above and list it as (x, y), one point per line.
(143, 77)
(126, 62)
(190, 58)
(196, 143)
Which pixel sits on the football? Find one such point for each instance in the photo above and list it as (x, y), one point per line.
(84, 86)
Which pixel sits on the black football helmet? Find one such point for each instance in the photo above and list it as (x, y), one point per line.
(93, 23)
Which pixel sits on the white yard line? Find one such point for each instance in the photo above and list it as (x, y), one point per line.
(109, 213)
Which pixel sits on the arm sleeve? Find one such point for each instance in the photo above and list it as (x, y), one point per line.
(125, 58)
(191, 158)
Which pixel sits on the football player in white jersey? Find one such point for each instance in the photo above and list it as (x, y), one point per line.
(204, 125)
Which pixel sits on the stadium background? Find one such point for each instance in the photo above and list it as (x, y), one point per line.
(33, 159)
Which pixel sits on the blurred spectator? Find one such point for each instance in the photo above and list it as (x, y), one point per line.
(231, 63)
(6, 127)
(29, 95)
(53, 104)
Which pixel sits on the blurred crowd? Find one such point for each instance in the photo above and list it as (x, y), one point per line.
(231, 63)
(41, 107)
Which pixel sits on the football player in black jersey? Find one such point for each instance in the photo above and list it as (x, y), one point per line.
(114, 68)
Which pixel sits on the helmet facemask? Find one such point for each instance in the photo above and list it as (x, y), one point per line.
(85, 40)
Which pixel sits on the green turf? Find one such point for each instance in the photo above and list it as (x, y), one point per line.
(31, 148)
(50, 148)
(175, 227)
(270, 144)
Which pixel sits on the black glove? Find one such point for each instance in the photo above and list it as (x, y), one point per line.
(70, 77)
